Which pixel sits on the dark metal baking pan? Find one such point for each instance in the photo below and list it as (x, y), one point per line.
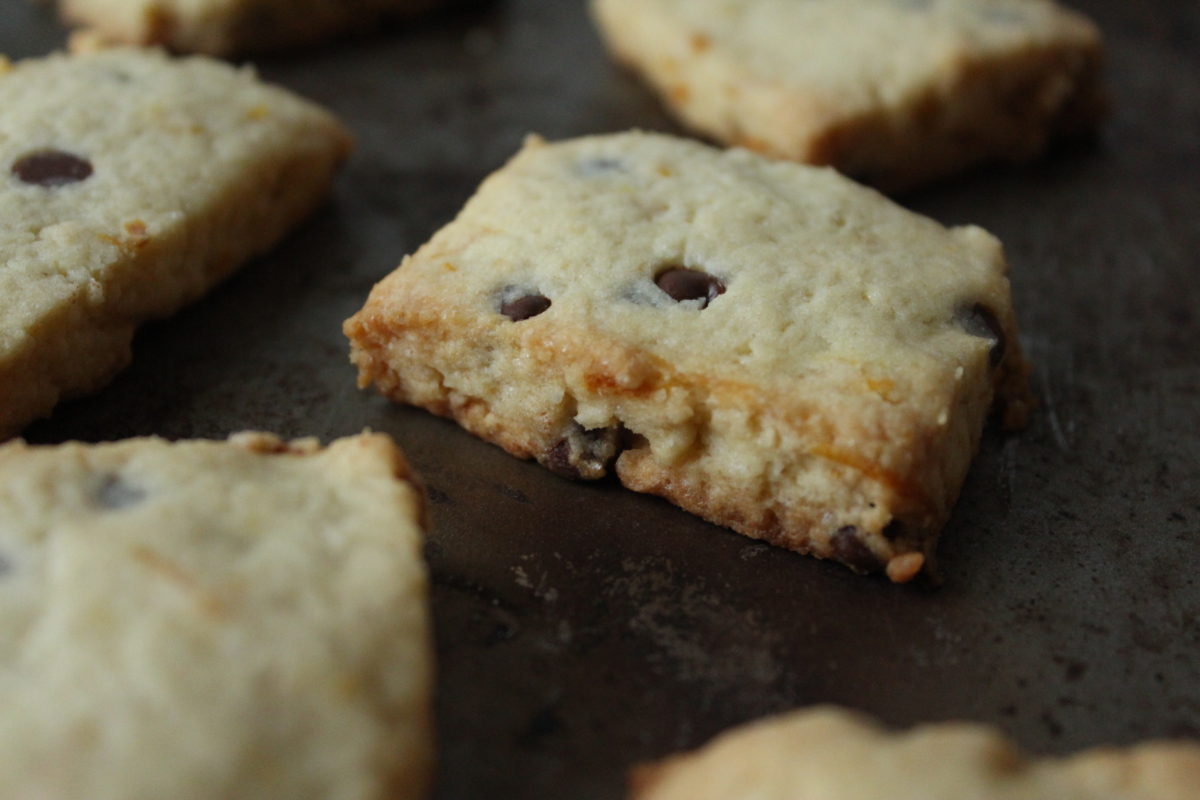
(582, 628)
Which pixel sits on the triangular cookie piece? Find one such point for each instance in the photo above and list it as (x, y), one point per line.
(242, 620)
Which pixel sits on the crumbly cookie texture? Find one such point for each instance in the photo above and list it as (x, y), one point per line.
(894, 92)
(130, 183)
(229, 27)
(830, 754)
(766, 344)
(242, 619)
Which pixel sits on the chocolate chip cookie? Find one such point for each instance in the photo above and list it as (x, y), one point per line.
(228, 27)
(830, 754)
(243, 619)
(766, 344)
(894, 92)
(130, 183)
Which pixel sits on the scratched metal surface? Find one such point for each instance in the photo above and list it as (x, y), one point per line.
(583, 628)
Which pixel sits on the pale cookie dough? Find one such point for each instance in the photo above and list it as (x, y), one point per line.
(229, 27)
(894, 92)
(766, 344)
(241, 620)
(829, 754)
(130, 183)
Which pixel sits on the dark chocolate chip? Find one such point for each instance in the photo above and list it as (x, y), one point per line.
(558, 460)
(115, 493)
(524, 307)
(599, 165)
(586, 454)
(979, 320)
(51, 168)
(849, 549)
(683, 284)
(5, 566)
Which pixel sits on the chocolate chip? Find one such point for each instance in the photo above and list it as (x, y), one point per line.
(979, 320)
(849, 549)
(51, 168)
(524, 307)
(599, 165)
(5, 566)
(114, 493)
(585, 454)
(683, 284)
(558, 460)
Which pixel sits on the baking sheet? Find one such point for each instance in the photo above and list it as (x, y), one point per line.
(582, 628)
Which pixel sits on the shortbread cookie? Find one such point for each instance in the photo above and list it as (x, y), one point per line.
(227, 27)
(828, 754)
(207, 619)
(130, 184)
(766, 344)
(896, 92)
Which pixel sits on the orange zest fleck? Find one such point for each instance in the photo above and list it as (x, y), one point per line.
(873, 471)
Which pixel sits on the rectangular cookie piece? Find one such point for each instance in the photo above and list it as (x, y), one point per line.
(826, 753)
(130, 183)
(228, 27)
(242, 619)
(765, 344)
(894, 92)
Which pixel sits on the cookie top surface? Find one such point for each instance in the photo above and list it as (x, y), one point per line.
(100, 153)
(204, 619)
(798, 275)
(858, 54)
(829, 754)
